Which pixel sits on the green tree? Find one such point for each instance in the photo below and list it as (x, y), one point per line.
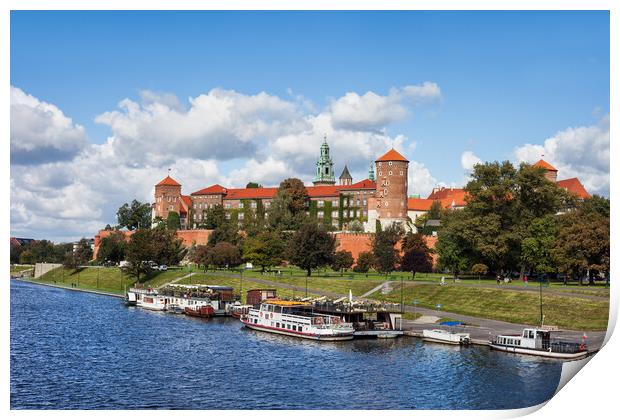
(416, 254)
(384, 248)
(134, 216)
(226, 232)
(214, 217)
(281, 218)
(201, 256)
(80, 255)
(537, 246)
(253, 185)
(112, 248)
(158, 245)
(311, 247)
(343, 260)
(365, 261)
(173, 222)
(265, 249)
(356, 226)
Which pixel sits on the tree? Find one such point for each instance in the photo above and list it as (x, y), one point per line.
(537, 246)
(112, 248)
(416, 254)
(158, 245)
(281, 217)
(294, 189)
(80, 255)
(201, 256)
(343, 260)
(265, 249)
(582, 244)
(44, 251)
(365, 261)
(253, 185)
(214, 217)
(136, 216)
(173, 222)
(479, 269)
(226, 232)
(384, 248)
(224, 254)
(356, 226)
(311, 247)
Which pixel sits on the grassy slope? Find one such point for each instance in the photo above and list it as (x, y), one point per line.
(511, 306)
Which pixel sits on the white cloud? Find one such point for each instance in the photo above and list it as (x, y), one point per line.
(581, 152)
(469, 160)
(420, 180)
(371, 111)
(40, 132)
(264, 137)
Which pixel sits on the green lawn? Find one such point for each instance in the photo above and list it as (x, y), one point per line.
(16, 269)
(506, 305)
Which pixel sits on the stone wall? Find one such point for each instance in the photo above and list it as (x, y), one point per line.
(42, 268)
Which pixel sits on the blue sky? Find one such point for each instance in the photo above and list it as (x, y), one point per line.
(506, 79)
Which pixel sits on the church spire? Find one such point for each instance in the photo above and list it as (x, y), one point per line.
(324, 166)
(371, 172)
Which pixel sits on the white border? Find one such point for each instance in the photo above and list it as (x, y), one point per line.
(590, 394)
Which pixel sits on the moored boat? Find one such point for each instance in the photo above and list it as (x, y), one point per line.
(537, 342)
(297, 319)
(201, 311)
(131, 299)
(237, 310)
(446, 337)
(149, 299)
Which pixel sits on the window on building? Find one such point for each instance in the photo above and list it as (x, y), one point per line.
(227, 205)
(170, 208)
(390, 173)
(365, 202)
(357, 202)
(267, 204)
(241, 204)
(335, 203)
(334, 214)
(319, 214)
(253, 204)
(227, 216)
(320, 203)
(241, 215)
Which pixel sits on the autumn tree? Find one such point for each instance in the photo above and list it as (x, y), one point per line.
(224, 255)
(365, 261)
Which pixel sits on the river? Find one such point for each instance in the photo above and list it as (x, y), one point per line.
(73, 350)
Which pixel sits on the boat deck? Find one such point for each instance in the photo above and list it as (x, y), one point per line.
(375, 333)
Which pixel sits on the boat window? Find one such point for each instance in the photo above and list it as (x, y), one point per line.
(518, 342)
(525, 333)
(531, 334)
(294, 327)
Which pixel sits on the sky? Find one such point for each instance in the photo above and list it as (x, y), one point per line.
(104, 103)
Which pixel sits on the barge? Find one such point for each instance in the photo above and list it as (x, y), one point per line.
(537, 342)
(297, 319)
(446, 337)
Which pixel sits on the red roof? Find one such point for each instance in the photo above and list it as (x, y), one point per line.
(168, 181)
(424, 204)
(361, 185)
(187, 200)
(247, 193)
(574, 186)
(542, 164)
(392, 155)
(324, 191)
(458, 195)
(213, 189)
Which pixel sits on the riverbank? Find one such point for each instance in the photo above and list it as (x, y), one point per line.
(61, 286)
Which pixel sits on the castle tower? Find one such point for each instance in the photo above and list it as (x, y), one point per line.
(167, 198)
(345, 177)
(550, 172)
(324, 167)
(390, 203)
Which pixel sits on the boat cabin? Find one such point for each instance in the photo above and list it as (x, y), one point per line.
(532, 338)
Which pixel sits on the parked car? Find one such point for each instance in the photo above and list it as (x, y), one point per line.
(163, 267)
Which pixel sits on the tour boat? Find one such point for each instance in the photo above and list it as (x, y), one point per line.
(297, 319)
(131, 299)
(149, 299)
(445, 337)
(537, 342)
(201, 311)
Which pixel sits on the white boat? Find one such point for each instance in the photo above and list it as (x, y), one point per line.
(149, 299)
(297, 319)
(537, 342)
(446, 337)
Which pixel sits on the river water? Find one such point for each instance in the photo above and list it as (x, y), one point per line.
(72, 350)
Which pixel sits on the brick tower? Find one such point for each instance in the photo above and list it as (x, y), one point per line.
(167, 198)
(390, 202)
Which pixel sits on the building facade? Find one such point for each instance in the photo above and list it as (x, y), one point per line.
(372, 202)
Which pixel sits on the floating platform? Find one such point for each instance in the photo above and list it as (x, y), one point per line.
(376, 333)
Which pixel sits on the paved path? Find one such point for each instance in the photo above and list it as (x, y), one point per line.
(178, 279)
(479, 328)
(376, 289)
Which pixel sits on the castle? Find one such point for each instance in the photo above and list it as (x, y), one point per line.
(382, 199)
